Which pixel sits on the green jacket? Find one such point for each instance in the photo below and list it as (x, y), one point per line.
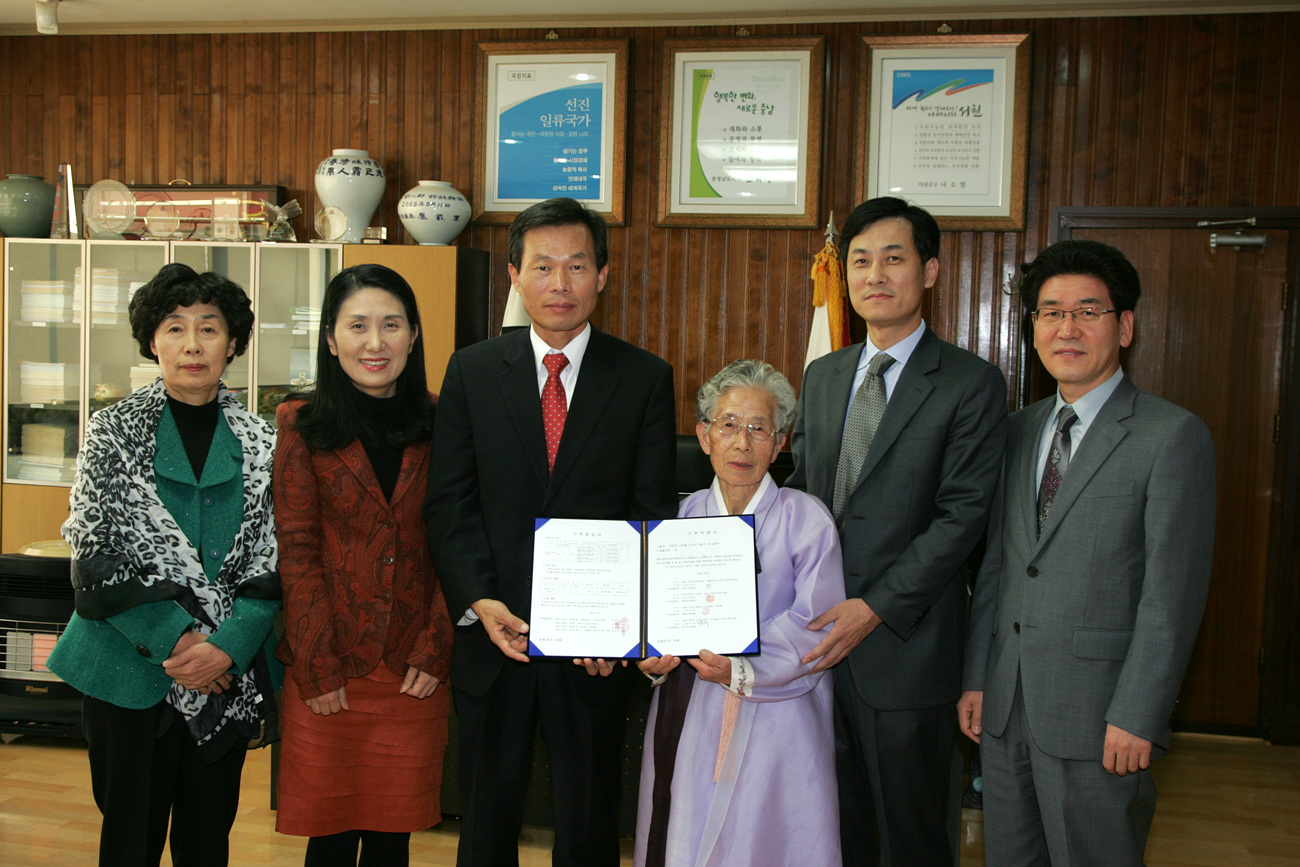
(119, 659)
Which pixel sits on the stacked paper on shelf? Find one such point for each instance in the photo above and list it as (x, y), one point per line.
(42, 382)
(106, 305)
(46, 300)
(305, 317)
(45, 453)
(143, 374)
(32, 472)
(45, 443)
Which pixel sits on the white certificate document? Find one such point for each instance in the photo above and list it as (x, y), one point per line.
(586, 589)
(702, 592)
(628, 589)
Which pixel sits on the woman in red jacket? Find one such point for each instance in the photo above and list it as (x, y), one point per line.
(367, 636)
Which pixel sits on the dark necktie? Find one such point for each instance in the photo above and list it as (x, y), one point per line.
(554, 406)
(860, 428)
(1058, 461)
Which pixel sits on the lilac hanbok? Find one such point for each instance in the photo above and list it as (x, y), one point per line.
(775, 801)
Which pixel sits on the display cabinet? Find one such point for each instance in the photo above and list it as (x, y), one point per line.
(114, 365)
(291, 281)
(43, 359)
(68, 350)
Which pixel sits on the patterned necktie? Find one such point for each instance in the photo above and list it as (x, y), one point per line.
(859, 429)
(1058, 461)
(555, 407)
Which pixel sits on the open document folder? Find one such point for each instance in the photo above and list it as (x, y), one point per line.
(633, 589)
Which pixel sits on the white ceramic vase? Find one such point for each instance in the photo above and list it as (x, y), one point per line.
(350, 180)
(433, 213)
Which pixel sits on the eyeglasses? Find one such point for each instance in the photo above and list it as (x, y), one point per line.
(1055, 316)
(728, 426)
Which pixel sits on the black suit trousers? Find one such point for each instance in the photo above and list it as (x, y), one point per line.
(584, 746)
(894, 772)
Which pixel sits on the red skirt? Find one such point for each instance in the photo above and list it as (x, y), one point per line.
(374, 767)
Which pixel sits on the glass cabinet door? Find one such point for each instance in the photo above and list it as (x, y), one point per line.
(232, 260)
(115, 365)
(42, 344)
(291, 282)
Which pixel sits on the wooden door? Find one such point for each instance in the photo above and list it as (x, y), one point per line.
(1209, 337)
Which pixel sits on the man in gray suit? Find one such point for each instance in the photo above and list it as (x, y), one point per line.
(902, 437)
(1092, 589)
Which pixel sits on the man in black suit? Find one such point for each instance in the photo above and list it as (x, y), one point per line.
(905, 450)
(501, 458)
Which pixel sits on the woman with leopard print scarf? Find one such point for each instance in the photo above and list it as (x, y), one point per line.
(175, 572)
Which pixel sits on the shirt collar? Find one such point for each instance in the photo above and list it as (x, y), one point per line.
(900, 351)
(574, 350)
(1087, 406)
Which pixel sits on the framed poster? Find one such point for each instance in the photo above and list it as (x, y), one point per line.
(550, 121)
(740, 132)
(944, 122)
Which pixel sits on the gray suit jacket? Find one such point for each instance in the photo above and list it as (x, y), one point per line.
(1099, 614)
(919, 508)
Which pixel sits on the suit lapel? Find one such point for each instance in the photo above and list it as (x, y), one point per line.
(597, 383)
(353, 456)
(911, 390)
(518, 383)
(1105, 432)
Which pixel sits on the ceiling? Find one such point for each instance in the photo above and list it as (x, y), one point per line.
(17, 17)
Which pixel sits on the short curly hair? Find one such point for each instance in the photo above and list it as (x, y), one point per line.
(749, 373)
(178, 285)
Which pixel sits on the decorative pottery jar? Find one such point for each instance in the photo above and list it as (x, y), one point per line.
(354, 183)
(433, 213)
(26, 207)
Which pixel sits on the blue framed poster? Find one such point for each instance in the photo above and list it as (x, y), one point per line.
(551, 122)
(947, 126)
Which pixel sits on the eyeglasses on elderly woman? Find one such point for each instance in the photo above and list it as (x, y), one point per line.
(728, 426)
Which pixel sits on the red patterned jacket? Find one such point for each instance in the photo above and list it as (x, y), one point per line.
(359, 585)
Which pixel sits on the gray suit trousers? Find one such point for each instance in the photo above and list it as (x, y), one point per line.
(1034, 802)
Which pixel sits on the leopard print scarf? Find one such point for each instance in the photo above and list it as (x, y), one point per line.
(127, 549)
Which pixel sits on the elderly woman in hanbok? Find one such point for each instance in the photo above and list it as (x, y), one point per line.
(739, 761)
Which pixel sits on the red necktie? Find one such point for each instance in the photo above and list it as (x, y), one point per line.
(554, 406)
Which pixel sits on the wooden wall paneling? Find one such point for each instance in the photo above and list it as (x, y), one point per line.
(1127, 114)
(1244, 96)
(1136, 110)
(1221, 133)
(1084, 139)
(45, 135)
(1200, 120)
(1264, 145)
(1284, 186)
(8, 93)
